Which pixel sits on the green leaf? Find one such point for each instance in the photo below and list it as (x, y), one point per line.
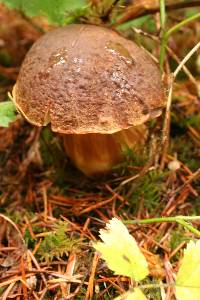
(121, 252)
(188, 277)
(136, 294)
(7, 113)
(55, 10)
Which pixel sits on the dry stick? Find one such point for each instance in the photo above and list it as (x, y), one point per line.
(7, 291)
(24, 286)
(14, 225)
(181, 65)
(44, 194)
(171, 53)
(37, 266)
(186, 58)
(193, 177)
(14, 279)
(166, 126)
(185, 69)
(90, 288)
(187, 72)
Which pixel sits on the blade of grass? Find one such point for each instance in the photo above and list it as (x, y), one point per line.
(182, 23)
(163, 39)
(162, 14)
(166, 124)
(166, 34)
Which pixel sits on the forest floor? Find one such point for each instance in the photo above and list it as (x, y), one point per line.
(50, 213)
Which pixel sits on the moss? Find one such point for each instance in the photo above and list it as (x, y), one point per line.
(57, 243)
(176, 238)
(149, 188)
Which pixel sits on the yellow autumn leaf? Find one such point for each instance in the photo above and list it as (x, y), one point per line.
(188, 277)
(136, 294)
(121, 252)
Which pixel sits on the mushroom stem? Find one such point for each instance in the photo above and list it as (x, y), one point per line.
(96, 154)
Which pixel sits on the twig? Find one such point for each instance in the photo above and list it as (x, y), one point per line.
(44, 194)
(142, 173)
(14, 225)
(7, 291)
(185, 69)
(186, 58)
(89, 292)
(171, 53)
(193, 177)
(166, 126)
(24, 286)
(146, 34)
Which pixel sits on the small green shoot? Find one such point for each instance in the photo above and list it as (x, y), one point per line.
(182, 220)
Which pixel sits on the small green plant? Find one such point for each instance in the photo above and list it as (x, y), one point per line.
(7, 113)
(57, 243)
(125, 258)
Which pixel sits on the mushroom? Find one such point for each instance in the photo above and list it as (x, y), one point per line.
(95, 87)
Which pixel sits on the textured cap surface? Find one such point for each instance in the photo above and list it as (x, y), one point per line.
(88, 79)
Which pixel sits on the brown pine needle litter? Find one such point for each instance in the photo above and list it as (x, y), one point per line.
(50, 213)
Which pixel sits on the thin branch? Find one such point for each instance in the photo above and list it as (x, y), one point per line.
(171, 53)
(193, 177)
(166, 126)
(186, 58)
(14, 225)
(185, 69)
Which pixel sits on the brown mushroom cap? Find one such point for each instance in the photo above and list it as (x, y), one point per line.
(88, 79)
